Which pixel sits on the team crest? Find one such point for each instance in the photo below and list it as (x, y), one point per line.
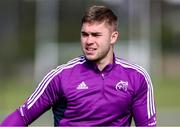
(122, 85)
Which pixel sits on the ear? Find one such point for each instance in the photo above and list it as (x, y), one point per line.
(114, 37)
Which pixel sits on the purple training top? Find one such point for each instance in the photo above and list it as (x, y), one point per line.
(81, 95)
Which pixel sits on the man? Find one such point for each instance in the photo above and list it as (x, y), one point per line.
(97, 89)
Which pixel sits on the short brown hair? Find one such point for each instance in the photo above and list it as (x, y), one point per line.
(100, 14)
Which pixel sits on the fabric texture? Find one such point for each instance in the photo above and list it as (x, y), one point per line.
(80, 94)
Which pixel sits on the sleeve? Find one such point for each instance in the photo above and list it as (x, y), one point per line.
(14, 119)
(144, 110)
(43, 98)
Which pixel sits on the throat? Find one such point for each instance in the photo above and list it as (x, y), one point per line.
(102, 64)
(105, 60)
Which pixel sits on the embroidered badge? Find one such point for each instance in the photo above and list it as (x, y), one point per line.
(122, 85)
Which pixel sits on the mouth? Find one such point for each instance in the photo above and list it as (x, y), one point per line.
(90, 50)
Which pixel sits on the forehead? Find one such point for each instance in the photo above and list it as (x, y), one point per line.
(95, 27)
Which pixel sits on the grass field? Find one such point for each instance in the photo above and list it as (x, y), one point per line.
(167, 92)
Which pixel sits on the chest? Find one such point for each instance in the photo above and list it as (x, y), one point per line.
(98, 91)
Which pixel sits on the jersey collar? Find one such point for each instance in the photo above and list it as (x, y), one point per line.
(92, 65)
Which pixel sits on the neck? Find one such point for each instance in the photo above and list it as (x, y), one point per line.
(101, 64)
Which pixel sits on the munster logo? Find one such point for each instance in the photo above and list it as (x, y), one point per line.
(122, 85)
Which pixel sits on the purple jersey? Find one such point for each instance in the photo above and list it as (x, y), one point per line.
(80, 94)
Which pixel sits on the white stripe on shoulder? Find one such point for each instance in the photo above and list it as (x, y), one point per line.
(50, 74)
(75, 59)
(150, 98)
(44, 83)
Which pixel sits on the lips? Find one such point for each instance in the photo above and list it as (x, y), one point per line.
(90, 50)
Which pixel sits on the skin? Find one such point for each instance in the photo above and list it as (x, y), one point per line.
(97, 41)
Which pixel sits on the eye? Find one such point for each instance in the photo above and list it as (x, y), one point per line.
(84, 34)
(96, 34)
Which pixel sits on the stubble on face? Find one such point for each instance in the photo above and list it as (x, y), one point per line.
(95, 40)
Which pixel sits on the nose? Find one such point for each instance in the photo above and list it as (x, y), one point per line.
(89, 40)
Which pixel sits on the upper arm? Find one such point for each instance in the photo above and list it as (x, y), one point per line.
(46, 94)
(143, 104)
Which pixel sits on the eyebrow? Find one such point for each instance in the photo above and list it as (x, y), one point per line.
(92, 33)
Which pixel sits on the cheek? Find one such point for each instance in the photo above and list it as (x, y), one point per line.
(103, 47)
(106, 42)
(82, 41)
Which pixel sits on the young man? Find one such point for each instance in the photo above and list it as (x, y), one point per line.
(97, 89)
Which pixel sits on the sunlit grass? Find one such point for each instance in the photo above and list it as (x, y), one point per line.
(167, 92)
(13, 93)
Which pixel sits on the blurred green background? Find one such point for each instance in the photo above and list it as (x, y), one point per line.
(38, 35)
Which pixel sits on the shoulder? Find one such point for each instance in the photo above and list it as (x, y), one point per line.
(139, 76)
(56, 74)
(71, 64)
(131, 67)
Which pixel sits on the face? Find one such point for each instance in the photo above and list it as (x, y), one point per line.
(97, 40)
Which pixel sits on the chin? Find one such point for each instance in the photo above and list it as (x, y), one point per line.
(91, 58)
